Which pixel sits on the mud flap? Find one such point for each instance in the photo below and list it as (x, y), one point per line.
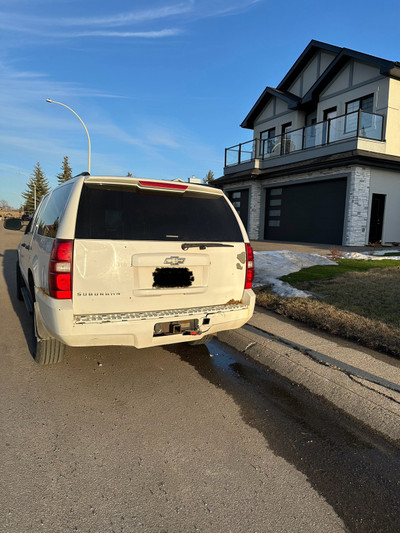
(40, 330)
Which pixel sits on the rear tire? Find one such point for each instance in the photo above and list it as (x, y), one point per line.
(20, 282)
(47, 351)
(203, 340)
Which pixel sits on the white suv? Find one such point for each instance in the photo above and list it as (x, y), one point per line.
(126, 261)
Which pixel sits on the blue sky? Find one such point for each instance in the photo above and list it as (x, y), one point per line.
(162, 86)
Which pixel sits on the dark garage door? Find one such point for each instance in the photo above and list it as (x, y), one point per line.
(307, 212)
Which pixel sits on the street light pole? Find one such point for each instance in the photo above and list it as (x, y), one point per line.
(83, 124)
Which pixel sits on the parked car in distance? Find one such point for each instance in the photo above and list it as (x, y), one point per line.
(126, 261)
(26, 217)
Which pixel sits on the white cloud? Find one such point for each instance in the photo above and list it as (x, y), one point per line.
(121, 19)
(126, 34)
(48, 27)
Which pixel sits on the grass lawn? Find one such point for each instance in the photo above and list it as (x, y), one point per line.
(358, 300)
(343, 266)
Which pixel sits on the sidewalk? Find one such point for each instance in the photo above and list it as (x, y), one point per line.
(362, 383)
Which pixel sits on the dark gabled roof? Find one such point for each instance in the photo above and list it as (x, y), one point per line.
(291, 99)
(387, 68)
(304, 58)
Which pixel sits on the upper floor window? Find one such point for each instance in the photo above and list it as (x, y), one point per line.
(268, 140)
(365, 104)
(286, 141)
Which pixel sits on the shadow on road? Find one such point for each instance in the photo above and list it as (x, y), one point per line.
(9, 274)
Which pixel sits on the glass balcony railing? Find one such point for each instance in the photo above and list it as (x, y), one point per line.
(352, 125)
(241, 153)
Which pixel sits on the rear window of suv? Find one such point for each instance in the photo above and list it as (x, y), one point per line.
(107, 213)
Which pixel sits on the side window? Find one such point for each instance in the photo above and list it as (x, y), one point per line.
(50, 217)
(32, 222)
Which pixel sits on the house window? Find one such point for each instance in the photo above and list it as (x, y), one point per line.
(268, 141)
(286, 141)
(365, 104)
(310, 131)
(328, 125)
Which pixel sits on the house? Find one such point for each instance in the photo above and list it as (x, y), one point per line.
(323, 165)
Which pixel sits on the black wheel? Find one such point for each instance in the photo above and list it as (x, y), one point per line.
(47, 351)
(203, 340)
(20, 282)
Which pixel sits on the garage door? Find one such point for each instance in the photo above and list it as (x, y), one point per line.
(306, 212)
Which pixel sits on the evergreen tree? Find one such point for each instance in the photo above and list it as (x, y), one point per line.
(66, 173)
(36, 188)
(209, 177)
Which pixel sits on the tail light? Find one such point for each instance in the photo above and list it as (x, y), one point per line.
(249, 266)
(60, 269)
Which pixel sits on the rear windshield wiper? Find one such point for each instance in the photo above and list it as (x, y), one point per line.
(204, 245)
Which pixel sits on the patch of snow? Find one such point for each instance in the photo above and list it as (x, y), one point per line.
(269, 266)
(383, 252)
(375, 257)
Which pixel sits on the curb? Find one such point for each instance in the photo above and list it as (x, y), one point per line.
(373, 401)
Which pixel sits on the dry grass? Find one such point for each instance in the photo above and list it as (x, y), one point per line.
(374, 294)
(361, 306)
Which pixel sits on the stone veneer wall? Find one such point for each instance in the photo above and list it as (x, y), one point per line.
(255, 192)
(356, 218)
(357, 204)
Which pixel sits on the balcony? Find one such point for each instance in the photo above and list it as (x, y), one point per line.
(343, 128)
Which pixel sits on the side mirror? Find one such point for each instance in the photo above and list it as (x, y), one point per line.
(13, 224)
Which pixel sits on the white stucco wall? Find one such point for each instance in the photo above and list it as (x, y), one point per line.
(388, 183)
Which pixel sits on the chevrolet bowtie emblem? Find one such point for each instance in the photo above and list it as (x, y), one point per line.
(174, 260)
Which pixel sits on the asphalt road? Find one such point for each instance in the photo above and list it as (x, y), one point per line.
(176, 440)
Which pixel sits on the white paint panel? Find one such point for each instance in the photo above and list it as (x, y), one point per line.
(339, 83)
(295, 88)
(326, 60)
(310, 74)
(363, 73)
(281, 106)
(267, 112)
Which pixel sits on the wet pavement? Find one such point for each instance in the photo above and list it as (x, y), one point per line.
(355, 470)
